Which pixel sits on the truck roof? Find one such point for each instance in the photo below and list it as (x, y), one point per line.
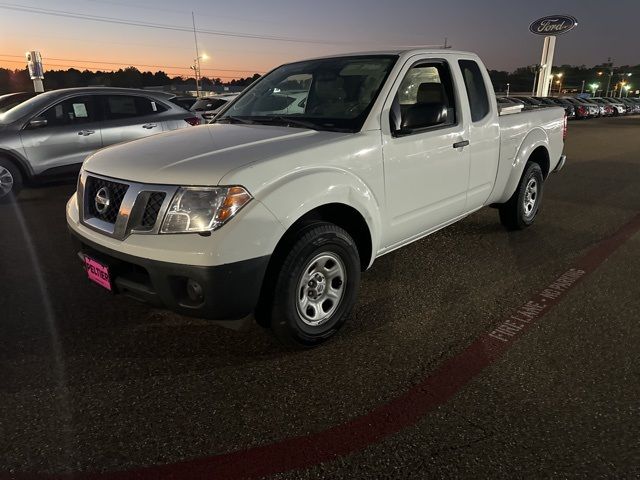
(401, 51)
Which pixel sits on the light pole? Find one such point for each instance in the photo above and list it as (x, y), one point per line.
(609, 79)
(536, 70)
(558, 82)
(623, 83)
(627, 88)
(582, 91)
(594, 88)
(508, 86)
(197, 70)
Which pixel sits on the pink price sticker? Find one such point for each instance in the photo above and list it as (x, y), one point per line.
(98, 273)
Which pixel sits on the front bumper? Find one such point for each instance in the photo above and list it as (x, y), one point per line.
(229, 292)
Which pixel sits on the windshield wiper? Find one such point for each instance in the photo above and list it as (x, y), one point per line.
(232, 119)
(288, 121)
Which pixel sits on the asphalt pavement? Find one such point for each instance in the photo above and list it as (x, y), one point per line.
(96, 386)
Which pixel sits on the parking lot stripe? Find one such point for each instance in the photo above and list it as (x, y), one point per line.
(399, 413)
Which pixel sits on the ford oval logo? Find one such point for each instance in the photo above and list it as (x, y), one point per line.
(553, 25)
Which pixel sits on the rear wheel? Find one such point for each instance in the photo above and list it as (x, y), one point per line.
(316, 286)
(523, 206)
(10, 180)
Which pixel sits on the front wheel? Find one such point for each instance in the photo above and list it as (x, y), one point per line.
(316, 286)
(523, 206)
(10, 181)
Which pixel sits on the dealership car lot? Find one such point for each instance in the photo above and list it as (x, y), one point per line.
(52, 133)
(94, 384)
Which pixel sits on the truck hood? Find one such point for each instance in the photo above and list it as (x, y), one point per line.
(199, 155)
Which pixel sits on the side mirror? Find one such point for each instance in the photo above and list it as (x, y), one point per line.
(37, 122)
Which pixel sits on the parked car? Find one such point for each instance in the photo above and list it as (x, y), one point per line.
(532, 102)
(208, 107)
(584, 109)
(52, 133)
(185, 102)
(569, 108)
(289, 209)
(10, 100)
(629, 105)
(605, 109)
(619, 107)
(508, 101)
(635, 104)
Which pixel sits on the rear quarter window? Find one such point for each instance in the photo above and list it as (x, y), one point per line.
(476, 89)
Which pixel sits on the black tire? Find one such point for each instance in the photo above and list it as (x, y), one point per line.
(9, 172)
(327, 241)
(515, 214)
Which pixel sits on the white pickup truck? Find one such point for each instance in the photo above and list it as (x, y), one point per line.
(297, 186)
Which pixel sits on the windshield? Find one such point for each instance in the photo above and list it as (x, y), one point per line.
(7, 102)
(26, 107)
(326, 94)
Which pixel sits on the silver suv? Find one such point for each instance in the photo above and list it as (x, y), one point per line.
(51, 134)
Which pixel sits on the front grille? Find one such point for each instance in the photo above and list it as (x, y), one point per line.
(152, 209)
(115, 193)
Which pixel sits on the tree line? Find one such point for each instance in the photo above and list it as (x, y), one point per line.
(520, 80)
(19, 81)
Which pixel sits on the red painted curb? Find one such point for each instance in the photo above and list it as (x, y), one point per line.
(399, 413)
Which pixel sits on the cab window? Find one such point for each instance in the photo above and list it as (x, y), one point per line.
(425, 99)
(73, 111)
(477, 90)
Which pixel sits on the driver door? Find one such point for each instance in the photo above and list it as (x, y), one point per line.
(426, 163)
(71, 134)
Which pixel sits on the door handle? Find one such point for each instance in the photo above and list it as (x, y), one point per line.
(149, 126)
(462, 144)
(86, 133)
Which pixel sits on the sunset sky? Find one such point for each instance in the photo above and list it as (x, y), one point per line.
(496, 29)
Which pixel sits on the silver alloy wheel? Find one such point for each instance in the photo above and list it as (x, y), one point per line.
(321, 288)
(6, 182)
(530, 197)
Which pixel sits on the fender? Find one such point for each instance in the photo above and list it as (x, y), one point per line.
(318, 186)
(537, 137)
(21, 161)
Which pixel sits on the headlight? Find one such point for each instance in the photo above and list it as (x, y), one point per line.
(203, 209)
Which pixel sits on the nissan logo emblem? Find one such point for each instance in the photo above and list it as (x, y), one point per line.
(102, 200)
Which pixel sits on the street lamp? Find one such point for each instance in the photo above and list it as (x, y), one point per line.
(627, 88)
(559, 82)
(594, 88)
(609, 80)
(622, 87)
(508, 86)
(623, 82)
(197, 71)
(536, 71)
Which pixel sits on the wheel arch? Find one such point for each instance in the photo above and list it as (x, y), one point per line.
(541, 156)
(345, 216)
(534, 148)
(21, 164)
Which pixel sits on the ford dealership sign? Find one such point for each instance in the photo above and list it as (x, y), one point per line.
(553, 25)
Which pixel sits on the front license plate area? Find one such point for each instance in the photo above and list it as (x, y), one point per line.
(98, 272)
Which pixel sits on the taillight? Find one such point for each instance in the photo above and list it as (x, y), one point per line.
(193, 121)
(565, 129)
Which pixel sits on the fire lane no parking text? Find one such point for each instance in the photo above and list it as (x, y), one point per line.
(401, 412)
